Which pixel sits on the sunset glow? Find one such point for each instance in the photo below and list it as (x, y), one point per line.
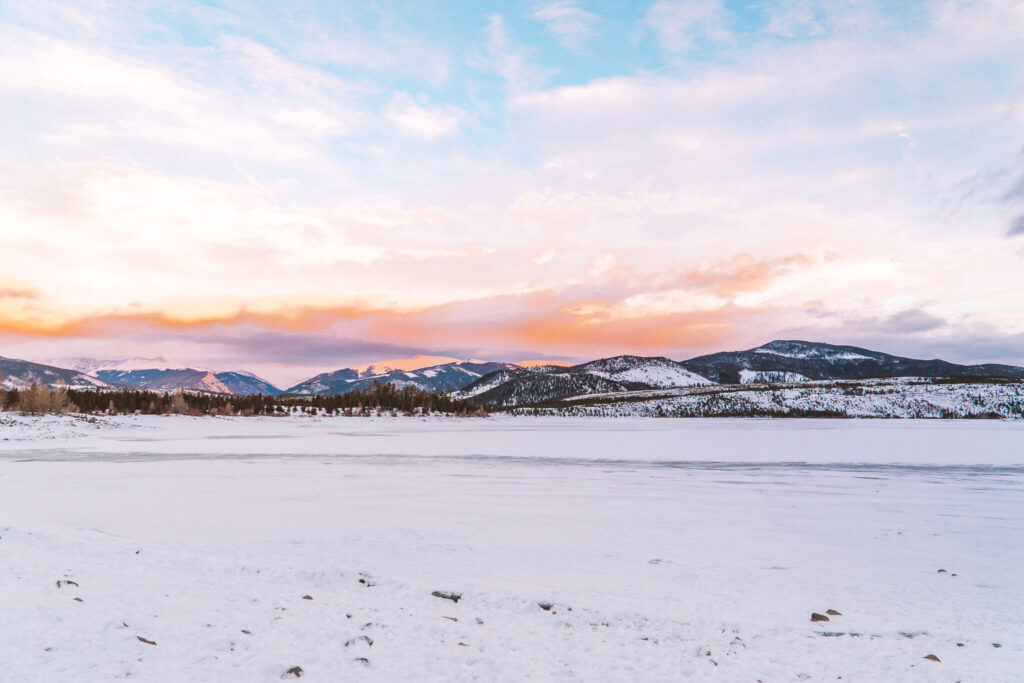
(295, 190)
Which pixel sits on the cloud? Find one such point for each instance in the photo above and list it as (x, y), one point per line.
(418, 119)
(568, 22)
(792, 18)
(680, 24)
(912, 320)
(1016, 226)
(509, 60)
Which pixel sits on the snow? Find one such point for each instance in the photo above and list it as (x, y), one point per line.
(764, 376)
(668, 539)
(498, 379)
(658, 376)
(815, 353)
(904, 397)
(415, 363)
(91, 366)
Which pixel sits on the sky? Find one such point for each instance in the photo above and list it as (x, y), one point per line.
(290, 188)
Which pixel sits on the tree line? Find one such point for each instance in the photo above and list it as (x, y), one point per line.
(375, 399)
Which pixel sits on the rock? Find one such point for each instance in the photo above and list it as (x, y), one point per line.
(942, 571)
(833, 612)
(454, 597)
(546, 606)
(818, 617)
(361, 660)
(463, 645)
(996, 645)
(479, 621)
(449, 618)
(246, 631)
(933, 658)
(145, 640)
(959, 644)
(294, 671)
(79, 600)
(352, 641)
(307, 597)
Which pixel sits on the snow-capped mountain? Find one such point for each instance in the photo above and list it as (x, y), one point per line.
(189, 379)
(775, 362)
(417, 362)
(651, 372)
(90, 366)
(444, 377)
(157, 374)
(520, 386)
(19, 374)
(800, 360)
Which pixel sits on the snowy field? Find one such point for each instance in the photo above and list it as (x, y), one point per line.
(659, 549)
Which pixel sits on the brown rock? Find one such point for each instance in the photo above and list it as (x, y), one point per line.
(145, 640)
(933, 658)
(942, 571)
(307, 597)
(833, 612)
(959, 644)
(294, 671)
(818, 617)
(79, 600)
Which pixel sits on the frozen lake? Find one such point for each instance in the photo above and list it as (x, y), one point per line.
(668, 539)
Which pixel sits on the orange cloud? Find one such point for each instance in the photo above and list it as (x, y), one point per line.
(625, 315)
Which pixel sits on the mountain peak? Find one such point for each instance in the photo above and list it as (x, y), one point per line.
(416, 362)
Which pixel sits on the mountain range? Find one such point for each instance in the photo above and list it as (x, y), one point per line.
(445, 377)
(775, 362)
(511, 384)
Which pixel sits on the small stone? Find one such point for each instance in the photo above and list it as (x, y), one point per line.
(294, 671)
(454, 597)
(942, 571)
(479, 621)
(246, 631)
(361, 660)
(933, 658)
(818, 617)
(449, 618)
(352, 641)
(145, 640)
(959, 644)
(833, 612)
(997, 645)
(546, 606)
(307, 597)
(79, 600)
(463, 645)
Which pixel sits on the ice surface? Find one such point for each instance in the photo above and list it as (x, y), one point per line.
(669, 539)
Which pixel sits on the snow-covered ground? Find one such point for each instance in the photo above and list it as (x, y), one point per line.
(666, 549)
(900, 397)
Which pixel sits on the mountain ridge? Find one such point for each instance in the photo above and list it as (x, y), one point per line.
(506, 384)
